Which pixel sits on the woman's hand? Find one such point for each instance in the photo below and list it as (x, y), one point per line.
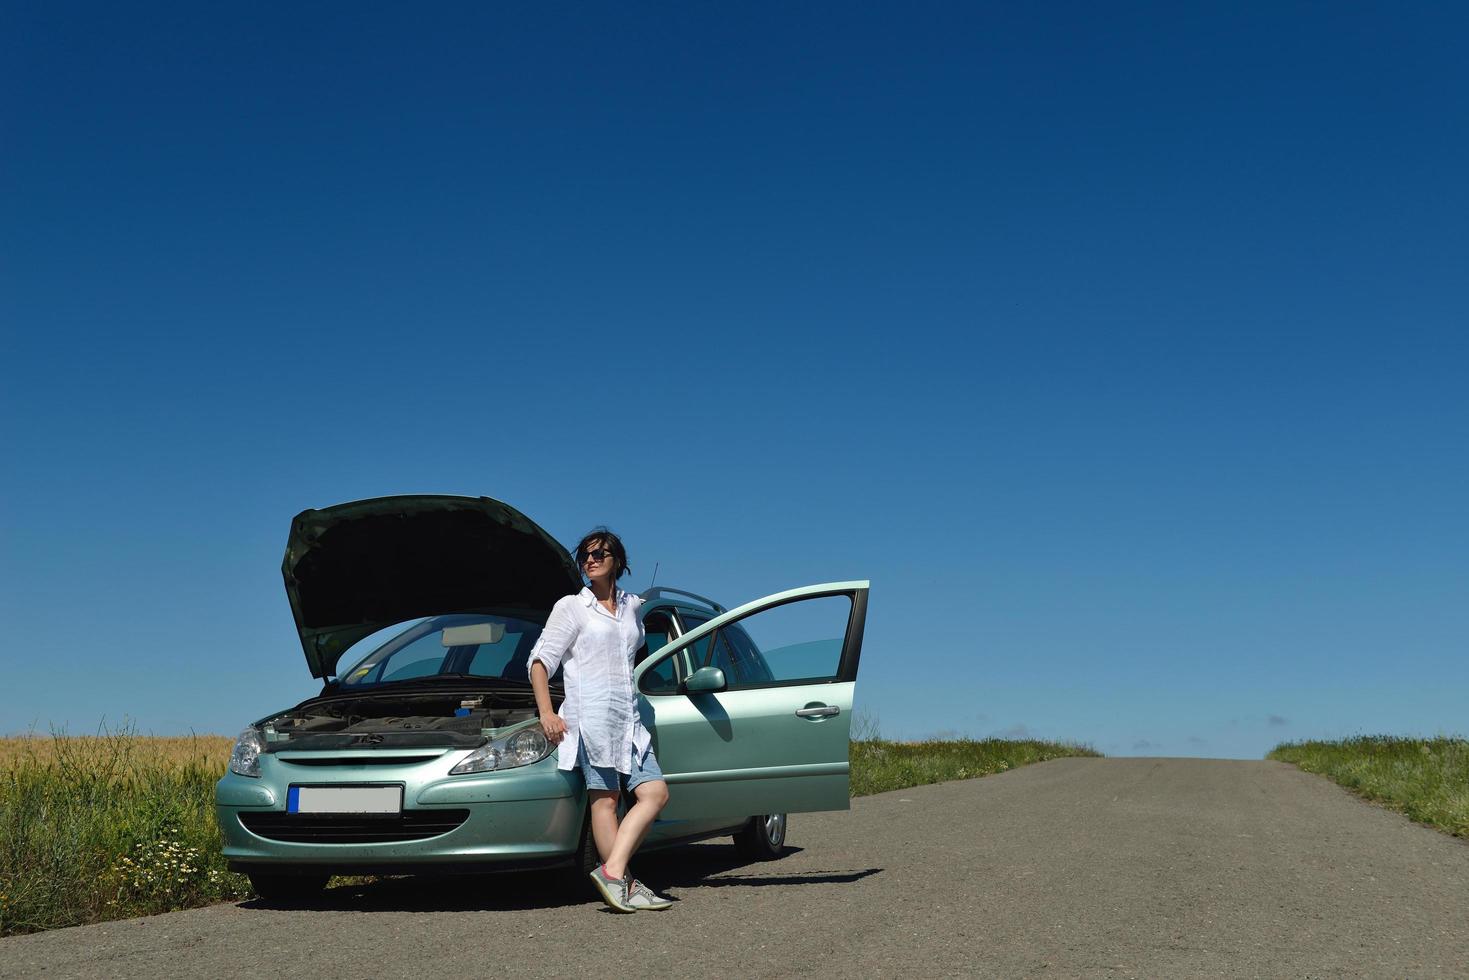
(554, 728)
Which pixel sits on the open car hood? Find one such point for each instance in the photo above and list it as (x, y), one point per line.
(359, 567)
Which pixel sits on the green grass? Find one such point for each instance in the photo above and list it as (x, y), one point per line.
(108, 827)
(879, 766)
(121, 825)
(1425, 779)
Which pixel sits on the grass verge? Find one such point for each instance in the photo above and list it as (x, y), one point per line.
(1425, 779)
(879, 766)
(109, 827)
(120, 825)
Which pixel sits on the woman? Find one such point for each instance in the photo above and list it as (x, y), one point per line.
(593, 635)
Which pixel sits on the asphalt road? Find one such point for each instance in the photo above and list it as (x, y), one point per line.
(1078, 867)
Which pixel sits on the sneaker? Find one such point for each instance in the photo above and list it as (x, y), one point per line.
(642, 898)
(614, 890)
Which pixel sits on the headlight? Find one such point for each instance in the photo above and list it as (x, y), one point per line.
(245, 759)
(521, 749)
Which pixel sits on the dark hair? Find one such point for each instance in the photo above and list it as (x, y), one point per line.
(608, 540)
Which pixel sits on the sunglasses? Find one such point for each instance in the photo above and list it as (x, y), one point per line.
(596, 554)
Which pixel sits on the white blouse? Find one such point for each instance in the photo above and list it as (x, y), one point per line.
(595, 649)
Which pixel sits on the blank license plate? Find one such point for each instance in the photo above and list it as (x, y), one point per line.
(344, 799)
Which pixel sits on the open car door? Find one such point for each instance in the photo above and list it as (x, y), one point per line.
(751, 712)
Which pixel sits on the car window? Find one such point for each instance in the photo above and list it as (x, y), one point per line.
(699, 652)
(664, 677)
(796, 641)
(657, 628)
(733, 652)
(506, 658)
(481, 645)
(419, 659)
(719, 657)
(746, 665)
(660, 678)
(791, 643)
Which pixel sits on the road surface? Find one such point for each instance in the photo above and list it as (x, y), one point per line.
(1076, 867)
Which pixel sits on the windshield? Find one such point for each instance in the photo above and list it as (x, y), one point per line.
(479, 645)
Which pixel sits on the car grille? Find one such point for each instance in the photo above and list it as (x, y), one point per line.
(351, 828)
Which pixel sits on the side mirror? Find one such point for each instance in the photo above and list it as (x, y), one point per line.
(705, 680)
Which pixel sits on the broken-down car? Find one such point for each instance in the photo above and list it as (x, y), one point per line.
(424, 754)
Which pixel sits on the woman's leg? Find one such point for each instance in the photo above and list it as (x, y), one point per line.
(604, 821)
(652, 796)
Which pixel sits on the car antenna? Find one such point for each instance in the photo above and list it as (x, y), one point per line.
(654, 578)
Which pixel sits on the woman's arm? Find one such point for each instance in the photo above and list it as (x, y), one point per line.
(551, 722)
(552, 645)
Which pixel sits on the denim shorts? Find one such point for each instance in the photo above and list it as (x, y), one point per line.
(607, 777)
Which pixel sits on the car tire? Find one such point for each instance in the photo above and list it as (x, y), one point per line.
(762, 838)
(288, 889)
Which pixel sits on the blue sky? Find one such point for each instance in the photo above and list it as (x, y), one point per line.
(1121, 346)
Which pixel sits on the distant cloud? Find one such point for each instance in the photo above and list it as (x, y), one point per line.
(1275, 721)
(981, 717)
(1142, 745)
(1195, 740)
(1016, 731)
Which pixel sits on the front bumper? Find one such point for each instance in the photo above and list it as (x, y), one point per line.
(517, 818)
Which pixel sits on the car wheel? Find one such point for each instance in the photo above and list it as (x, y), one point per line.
(288, 889)
(762, 838)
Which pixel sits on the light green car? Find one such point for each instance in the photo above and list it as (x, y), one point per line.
(426, 755)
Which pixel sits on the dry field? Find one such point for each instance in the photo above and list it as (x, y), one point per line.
(120, 752)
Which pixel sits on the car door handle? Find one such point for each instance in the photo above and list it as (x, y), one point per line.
(825, 711)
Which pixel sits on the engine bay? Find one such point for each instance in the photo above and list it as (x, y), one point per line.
(458, 719)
